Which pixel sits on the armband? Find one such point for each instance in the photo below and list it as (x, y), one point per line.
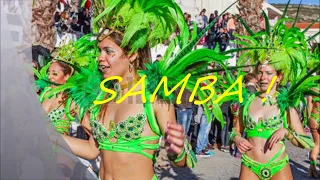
(191, 159)
(305, 141)
(233, 134)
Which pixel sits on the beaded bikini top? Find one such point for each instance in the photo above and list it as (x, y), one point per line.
(129, 129)
(56, 114)
(264, 127)
(126, 136)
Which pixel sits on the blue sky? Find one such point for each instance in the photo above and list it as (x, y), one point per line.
(294, 1)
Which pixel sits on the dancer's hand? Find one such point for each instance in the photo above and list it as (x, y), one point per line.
(242, 144)
(174, 139)
(277, 137)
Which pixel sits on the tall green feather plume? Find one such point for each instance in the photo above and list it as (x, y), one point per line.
(296, 19)
(176, 66)
(286, 49)
(141, 22)
(78, 54)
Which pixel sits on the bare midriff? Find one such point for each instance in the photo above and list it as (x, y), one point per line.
(120, 166)
(260, 151)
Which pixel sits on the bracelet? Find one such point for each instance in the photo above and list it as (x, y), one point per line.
(287, 136)
(177, 158)
(312, 162)
(191, 159)
(233, 134)
(181, 156)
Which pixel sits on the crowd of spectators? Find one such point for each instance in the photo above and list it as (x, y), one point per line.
(221, 33)
(207, 135)
(72, 22)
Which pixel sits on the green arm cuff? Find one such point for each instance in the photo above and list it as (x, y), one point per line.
(233, 134)
(191, 159)
(191, 156)
(313, 162)
(305, 141)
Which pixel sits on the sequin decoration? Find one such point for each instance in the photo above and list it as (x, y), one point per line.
(274, 122)
(56, 114)
(128, 130)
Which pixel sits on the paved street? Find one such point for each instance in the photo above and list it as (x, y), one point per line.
(222, 166)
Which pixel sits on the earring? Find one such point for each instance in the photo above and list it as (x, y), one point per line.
(130, 68)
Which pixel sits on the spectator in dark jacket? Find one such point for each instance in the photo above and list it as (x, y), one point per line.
(223, 39)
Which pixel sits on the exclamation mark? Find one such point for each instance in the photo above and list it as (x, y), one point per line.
(270, 86)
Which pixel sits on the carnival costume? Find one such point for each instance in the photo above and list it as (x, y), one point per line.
(144, 24)
(76, 55)
(287, 51)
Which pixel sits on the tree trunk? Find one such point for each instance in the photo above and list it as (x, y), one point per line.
(250, 12)
(43, 30)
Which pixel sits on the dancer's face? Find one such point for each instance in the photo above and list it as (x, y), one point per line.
(113, 61)
(265, 76)
(56, 74)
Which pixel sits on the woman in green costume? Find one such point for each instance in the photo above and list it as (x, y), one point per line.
(266, 127)
(269, 116)
(314, 125)
(58, 73)
(53, 78)
(55, 98)
(314, 117)
(126, 135)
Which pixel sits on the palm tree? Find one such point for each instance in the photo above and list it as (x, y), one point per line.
(250, 13)
(43, 30)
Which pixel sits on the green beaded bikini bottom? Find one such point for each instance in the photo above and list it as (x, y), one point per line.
(267, 170)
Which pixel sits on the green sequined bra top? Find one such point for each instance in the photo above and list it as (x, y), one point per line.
(56, 115)
(264, 128)
(124, 136)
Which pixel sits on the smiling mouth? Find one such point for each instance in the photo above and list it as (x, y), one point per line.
(263, 84)
(103, 68)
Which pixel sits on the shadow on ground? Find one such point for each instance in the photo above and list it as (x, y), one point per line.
(179, 174)
(299, 171)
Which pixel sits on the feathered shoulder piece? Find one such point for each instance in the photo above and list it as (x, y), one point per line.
(141, 22)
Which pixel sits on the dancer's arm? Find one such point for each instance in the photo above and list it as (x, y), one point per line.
(236, 136)
(239, 123)
(309, 105)
(295, 125)
(86, 149)
(174, 133)
(295, 132)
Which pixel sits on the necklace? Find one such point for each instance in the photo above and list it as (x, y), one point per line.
(270, 99)
(125, 86)
(119, 88)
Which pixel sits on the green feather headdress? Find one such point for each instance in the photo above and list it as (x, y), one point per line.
(78, 53)
(287, 50)
(179, 60)
(286, 47)
(140, 22)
